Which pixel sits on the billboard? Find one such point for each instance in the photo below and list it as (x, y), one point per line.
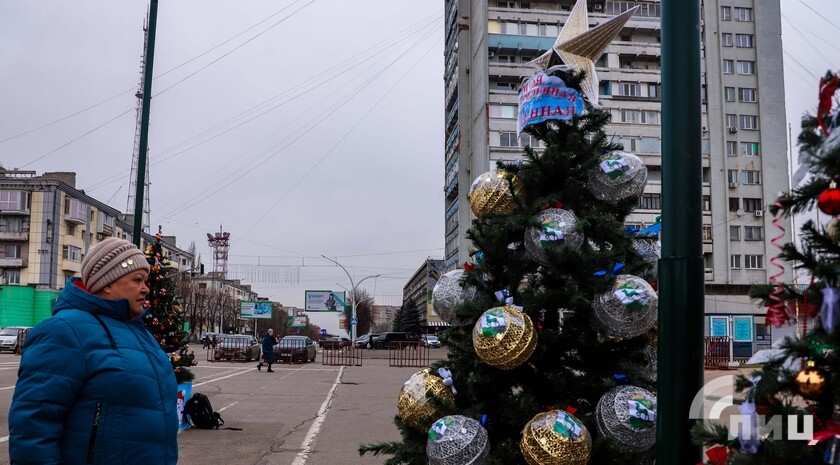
(300, 321)
(324, 301)
(252, 309)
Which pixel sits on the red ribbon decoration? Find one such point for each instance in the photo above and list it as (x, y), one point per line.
(831, 429)
(718, 455)
(827, 89)
(468, 266)
(777, 314)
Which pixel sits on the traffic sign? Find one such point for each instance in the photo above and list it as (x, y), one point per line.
(354, 321)
(323, 332)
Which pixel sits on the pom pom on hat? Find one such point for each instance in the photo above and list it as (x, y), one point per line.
(109, 261)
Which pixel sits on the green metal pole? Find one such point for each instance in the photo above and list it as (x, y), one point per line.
(144, 123)
(681, 275)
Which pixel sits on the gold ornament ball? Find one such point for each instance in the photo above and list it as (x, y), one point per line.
(504, 337)
(555, 438)
(415, 408)
(493, 193)
(811, 381)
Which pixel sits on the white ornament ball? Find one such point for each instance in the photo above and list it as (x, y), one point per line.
(557, 227)
(617, 176)
(448, 295)
(629, 309)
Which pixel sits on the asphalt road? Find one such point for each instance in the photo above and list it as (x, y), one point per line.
(308, 414)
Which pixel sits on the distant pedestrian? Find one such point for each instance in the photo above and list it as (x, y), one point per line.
(268, 343)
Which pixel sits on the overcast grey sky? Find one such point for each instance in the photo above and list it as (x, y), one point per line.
(304, 127)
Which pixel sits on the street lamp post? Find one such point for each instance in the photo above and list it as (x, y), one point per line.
(353, 286)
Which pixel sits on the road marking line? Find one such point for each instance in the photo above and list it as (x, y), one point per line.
(306, 445)
(4, 439)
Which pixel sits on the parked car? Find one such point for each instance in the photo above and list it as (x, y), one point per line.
(237, 347)
(431, 341)
(365, 341)
(390, 339)
(9, 337)
(292, 348)
(335, 342)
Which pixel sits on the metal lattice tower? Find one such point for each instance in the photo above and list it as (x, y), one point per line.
(220, 243)
(135, 159)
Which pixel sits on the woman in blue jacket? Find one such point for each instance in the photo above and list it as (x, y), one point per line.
(94, 387)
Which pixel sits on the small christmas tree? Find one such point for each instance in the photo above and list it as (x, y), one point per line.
(801, 387)
(551, 357)
(164, 318)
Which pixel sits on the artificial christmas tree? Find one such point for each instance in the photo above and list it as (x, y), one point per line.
(560, 311)
(792, 400)
(164, 318)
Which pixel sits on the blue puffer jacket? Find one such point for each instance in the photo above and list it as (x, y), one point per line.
(93, 387)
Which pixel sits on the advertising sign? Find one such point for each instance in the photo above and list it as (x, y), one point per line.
(743, 328)
(252, 309)
(300, 321)
(718, 326)
(324, 301)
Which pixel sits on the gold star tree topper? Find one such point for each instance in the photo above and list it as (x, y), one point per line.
(579, 47)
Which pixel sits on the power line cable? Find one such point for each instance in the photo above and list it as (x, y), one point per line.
(819, 14)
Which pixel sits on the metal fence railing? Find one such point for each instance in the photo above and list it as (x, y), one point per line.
(336, 355)
(234, 349)
(408, 354)
(295, 351)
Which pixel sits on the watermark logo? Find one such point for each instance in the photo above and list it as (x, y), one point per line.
(747, 424)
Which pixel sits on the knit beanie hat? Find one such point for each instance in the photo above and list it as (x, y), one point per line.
(109, 261)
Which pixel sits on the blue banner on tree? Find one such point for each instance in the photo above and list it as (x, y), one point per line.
(544, 98)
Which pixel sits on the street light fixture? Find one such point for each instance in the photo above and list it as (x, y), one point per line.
(353, 287)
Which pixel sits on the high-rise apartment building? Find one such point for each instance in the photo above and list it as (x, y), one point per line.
(744, 142)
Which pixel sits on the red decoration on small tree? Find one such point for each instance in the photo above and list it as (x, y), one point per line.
(829, 200)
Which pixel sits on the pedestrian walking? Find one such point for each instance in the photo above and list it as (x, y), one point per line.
(268, 343)
(93, 383)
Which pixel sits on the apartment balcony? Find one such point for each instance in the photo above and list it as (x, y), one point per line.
(14, 235)
(13, 263)
(515, 70)
(71, 266)
(710, 274)
(75, 218)
(21, 211)
(708, 248)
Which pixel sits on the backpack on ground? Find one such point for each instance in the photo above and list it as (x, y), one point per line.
(200, 413)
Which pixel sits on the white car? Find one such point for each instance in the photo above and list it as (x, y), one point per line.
(9, 337)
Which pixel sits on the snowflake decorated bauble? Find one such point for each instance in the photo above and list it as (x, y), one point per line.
(457, 440)
(628, 309)
(557, 227)
(627, 414)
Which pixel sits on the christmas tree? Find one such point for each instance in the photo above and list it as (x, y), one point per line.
(164, 318)
(551, 358)
(797, 395)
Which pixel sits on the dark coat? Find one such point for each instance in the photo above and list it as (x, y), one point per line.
(93, 387)
(268, 343)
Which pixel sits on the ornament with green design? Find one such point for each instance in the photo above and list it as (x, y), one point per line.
(618, 175)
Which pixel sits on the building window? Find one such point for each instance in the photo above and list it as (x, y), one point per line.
(734, 233)
(75, 209)
(707, 232)
(502, 111)
(745, 94)
(11, 276)
(728, 66)
(526, 140)
(748, 122)
(735, 262)
(729, 94)
(726, 39)
(744, 40)
(13, 200)
(629, 116)
(508, 139)
(752, 205)
(74, 254)
(731, 149)
(707, 203)
(653, 90)
(753, 233)
(753, 262)
(630, 90)
(732, 176)
(749, 149)
(746, 67)
(751, 177)
(650, 117)
(726, 13)
(650, 202)
(743, 14)
(12, 251)
(734, 204)
(731, 120)
(14, 224)
(650, 145)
